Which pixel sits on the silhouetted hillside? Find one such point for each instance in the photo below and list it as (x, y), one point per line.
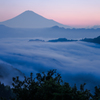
(61, 40)
(36, 40)
(7, 71)
(94, 40)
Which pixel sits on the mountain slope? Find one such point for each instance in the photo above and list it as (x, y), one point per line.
(29, 19)
(7, 72)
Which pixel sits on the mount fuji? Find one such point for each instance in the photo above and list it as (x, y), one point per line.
(30, 19)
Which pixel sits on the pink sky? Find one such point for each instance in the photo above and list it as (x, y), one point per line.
(79, 13)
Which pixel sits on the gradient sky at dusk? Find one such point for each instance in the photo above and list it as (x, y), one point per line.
(68, 12)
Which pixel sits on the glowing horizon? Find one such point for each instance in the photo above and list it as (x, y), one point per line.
(74, 13)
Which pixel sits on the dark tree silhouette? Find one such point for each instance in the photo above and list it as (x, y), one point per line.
(46, 86)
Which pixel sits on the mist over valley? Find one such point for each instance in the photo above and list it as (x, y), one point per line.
(75, 53)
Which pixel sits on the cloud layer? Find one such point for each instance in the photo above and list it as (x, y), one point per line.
(77, 62)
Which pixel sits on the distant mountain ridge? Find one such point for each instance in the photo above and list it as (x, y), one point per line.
(96, 26)
(61, 40)
(61, 34)
(91, 40)
(52, 32)
(94, 40)
(29, 19)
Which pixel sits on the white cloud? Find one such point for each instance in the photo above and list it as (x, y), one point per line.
(76, 61)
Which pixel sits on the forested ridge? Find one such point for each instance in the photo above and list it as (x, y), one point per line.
(46, 86)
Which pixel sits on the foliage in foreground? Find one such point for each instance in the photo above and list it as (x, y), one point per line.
(49, 86)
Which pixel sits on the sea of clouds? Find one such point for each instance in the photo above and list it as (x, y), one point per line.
(77, 62)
